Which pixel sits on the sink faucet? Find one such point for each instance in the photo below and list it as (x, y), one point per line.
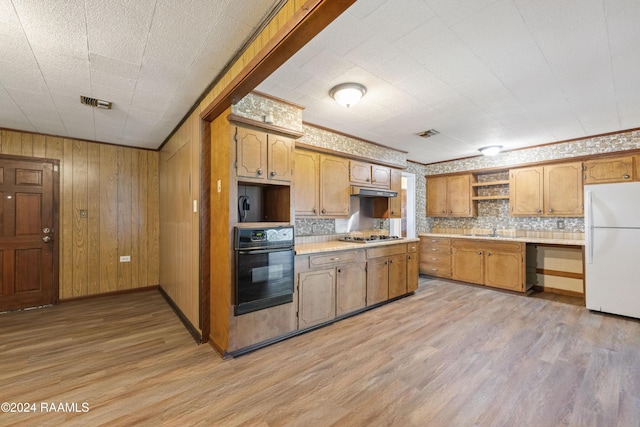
(495, 232)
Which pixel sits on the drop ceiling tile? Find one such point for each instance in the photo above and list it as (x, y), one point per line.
(622, 25)
(114, 81)
(398, 21)
(55, 26)
(14, 76)
(338, 42)
(453, 11)
(120, 29)
(327, 65)
(105, 64)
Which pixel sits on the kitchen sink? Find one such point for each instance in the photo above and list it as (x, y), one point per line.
(490, 236)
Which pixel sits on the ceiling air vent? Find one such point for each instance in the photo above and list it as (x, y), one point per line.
(428, 133)
(93, 102)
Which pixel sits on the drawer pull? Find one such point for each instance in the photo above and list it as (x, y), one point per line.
(434, 250)
(335, 259)
(434, 241)
(434, 259)
(626, 176)
(434, 269)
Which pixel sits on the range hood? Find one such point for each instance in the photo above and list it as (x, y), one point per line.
(372, 192)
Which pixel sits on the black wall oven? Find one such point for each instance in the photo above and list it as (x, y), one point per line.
(264, 268)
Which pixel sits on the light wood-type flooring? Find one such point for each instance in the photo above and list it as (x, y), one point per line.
(450, 355)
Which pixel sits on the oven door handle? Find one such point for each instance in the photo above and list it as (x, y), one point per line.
(264, 251)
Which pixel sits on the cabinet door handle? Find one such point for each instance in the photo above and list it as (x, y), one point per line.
(386, 262)
(538, 211)
(550, 210)
(626, 176)
(272, 173)
(393, 212)
(323, 211)
(444, 212)
(488, 253)
(479, 252)
(390, 261)
(409, 256)
(367, 180)
(339, 270)
(259, 172)
(315, 210)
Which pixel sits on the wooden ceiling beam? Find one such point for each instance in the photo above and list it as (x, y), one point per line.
(304, 25)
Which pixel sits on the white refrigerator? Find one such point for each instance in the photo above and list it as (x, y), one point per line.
(612, 248)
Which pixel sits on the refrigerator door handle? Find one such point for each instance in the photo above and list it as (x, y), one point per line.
(588, 218)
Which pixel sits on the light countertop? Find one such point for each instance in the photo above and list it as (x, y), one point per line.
(337, 245)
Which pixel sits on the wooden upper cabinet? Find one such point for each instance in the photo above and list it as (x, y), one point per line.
(526, 188)
(251, 153)
(369, 175)
(335, 194)
(307, 183)
(459, 195)
(360, 173)
(263, 156)
(450, 196)
(279, 158)
(380, 176)
(554, 190)
(563, 190)
(437, 196)
(617, 169)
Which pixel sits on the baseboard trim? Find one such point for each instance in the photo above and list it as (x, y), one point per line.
(185, 321)
(109, 294)
(556, 291)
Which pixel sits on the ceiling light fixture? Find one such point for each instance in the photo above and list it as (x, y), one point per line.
(490, 150)
(428, 133)
(348, 94)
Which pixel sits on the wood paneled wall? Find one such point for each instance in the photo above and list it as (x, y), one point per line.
(179, 224)
(118, 186)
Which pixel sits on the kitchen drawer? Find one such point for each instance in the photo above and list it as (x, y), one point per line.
(435, 241)
(386, 251)
(437, 250)
(412, 247)
(334, 258)
(436, 260)
(434, 270)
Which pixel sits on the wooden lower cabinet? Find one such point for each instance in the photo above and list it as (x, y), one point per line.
(435, 256)
(335, 284)
(397, 276)
(412, 272)
(496, 264)
(351, 288)
(377, 281)
(317, 298)
(468, 263)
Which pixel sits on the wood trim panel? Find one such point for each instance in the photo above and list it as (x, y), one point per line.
(205, 229)
(112, 293)
(195, 333)
(86, 263)
(321, 150)
(557, 273)
(264, 126)
(276, 99)
(306, 23)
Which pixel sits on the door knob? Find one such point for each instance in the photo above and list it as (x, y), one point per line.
(46, 239)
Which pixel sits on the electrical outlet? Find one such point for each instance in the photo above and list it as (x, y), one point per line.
(83, 213)
(125, 258)
(560, 224)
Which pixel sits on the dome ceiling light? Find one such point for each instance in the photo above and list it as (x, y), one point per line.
(348, 94)
(491, 150)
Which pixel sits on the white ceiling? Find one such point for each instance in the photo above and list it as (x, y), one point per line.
(151, 58)
(481, 72)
